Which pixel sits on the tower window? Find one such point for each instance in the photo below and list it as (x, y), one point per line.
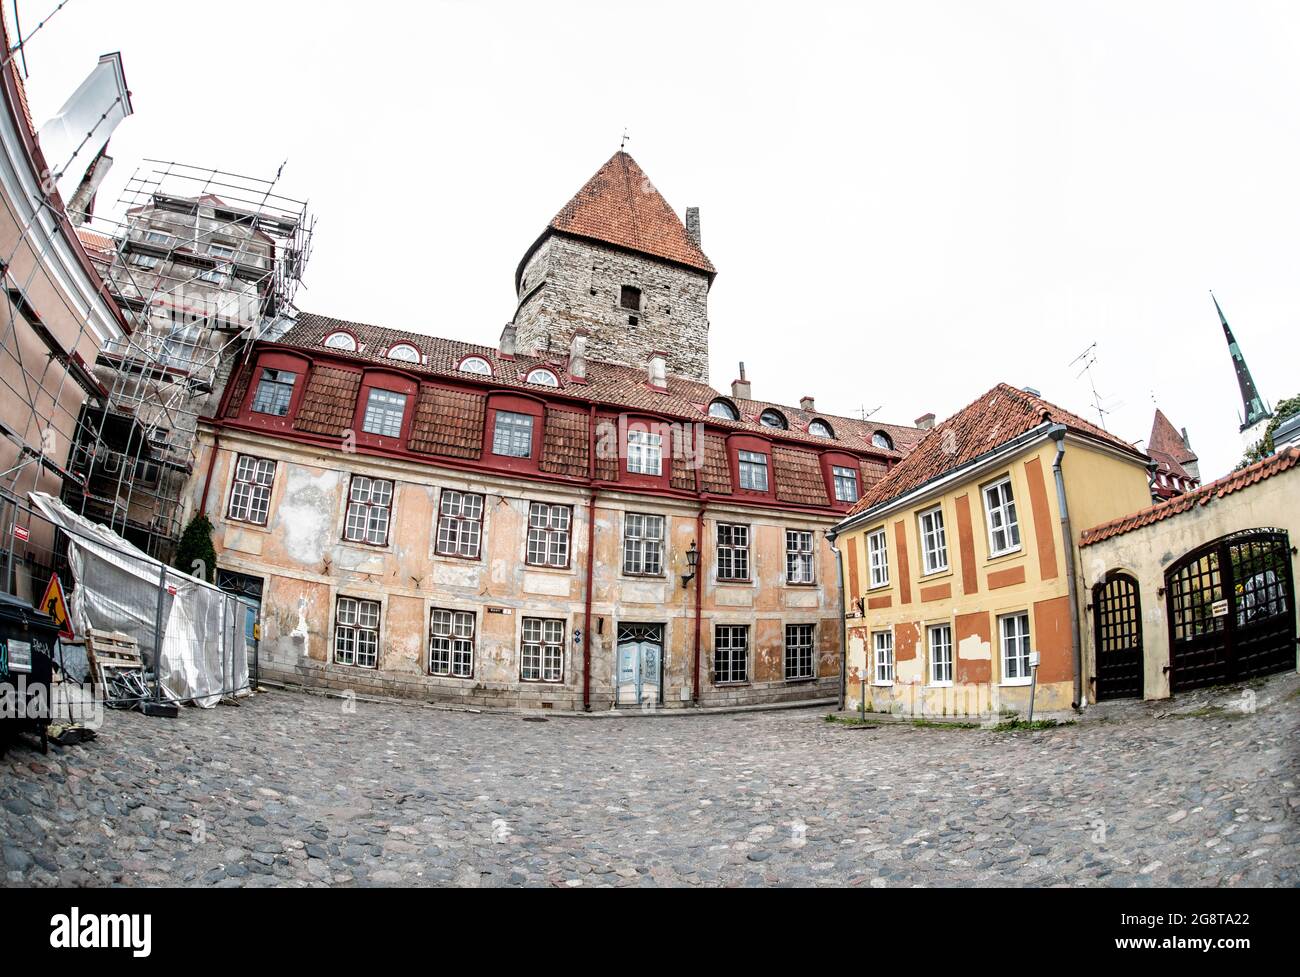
(630, 298)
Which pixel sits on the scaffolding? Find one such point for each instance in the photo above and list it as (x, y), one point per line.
(202, 262)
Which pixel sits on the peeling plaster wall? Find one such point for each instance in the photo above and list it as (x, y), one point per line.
(1146, 554)
(305, 565)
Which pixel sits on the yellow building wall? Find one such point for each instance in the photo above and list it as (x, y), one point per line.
(978, 588)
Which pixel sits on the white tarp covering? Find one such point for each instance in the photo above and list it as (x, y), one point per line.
(117, 589)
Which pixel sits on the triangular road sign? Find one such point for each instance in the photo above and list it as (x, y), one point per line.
(56, 605)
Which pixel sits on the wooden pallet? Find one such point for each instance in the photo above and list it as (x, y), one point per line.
(107, 650)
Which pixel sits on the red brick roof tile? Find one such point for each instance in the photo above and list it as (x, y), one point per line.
(977, 429)
(565, 443)
(620, 206)
(715, 474)
(239, 388)
(798, 477)
(448, 422)
(1206, 494)
(329, 402)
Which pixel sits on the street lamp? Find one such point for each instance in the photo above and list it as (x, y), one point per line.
(692, 561)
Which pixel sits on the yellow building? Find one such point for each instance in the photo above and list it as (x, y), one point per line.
(959, 567)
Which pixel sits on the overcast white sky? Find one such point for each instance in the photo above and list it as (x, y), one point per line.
(907, 202)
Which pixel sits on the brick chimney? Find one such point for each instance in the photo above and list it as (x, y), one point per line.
(740, 389)
(806, 403)
(578, 355)
(657, 371)
(925, 422)
(693, 224)
(507, 345)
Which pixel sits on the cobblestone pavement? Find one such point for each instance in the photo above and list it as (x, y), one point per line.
(291, 789)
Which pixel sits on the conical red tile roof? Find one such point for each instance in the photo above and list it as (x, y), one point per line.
(1165, 440)
(620, 206)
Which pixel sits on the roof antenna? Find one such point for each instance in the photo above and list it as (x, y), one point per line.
(867, 413)
(1089, 359)
(626, 137)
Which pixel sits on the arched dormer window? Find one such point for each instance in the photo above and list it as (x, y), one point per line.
(820, 429)
(476, 365)
(724, 409)
(341, 340)
(773, 418)
(543, 377)
(404, 352)
(881, 439)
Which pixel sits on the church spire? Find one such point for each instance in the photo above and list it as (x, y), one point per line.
(1255, 408)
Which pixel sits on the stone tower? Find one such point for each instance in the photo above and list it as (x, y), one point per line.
(618, 263)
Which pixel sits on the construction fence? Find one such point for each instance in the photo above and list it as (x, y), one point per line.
(141, 631)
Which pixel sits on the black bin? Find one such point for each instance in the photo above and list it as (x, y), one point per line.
(28, 638)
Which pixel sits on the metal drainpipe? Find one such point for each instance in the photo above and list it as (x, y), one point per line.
(1057, 433)
(844, 624)
(591, 555)
(699, 573)
(207, 478)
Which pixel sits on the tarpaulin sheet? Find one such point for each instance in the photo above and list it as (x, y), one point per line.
(117, 589)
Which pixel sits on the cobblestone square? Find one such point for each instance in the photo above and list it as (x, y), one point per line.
(294, 789)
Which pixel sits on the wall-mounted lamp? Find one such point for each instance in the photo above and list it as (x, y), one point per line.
(692, 561)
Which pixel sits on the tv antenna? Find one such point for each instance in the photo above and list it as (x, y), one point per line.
(1089, 359)
(868, 413)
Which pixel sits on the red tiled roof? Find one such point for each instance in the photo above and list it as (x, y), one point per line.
(329, 401)
(95, 242)
(977, 429)
(448, 422)
(565, 443)
(620, 206)
(798, 477)
(1270, 466)
(622, 387)
(1166, 440)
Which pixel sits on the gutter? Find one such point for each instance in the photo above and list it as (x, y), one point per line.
(699, 574)
(844, 626)
(591, 556)
(1057, 433)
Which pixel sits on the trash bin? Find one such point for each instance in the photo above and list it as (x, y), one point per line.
(28, 639)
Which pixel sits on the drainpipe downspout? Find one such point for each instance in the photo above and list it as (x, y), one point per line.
(591, 556)
(699, 574)
(207, 479)
(1057, 433)
(844, 624)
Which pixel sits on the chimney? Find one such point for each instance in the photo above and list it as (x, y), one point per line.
(740, 389)
(693, 224)
(578, 355)
(925, 422)
(657, 370)
(507, 344)
(806, 403)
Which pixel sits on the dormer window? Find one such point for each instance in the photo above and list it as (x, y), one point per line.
(724, 409)
(629, 297)
(341, 340)
(404, 352)
(882, 440)
(543, 378)
(773, 418)
(820, 429)
(476, 365)
(385, 411)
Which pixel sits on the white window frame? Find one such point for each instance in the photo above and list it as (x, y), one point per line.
(1020, 636)
(940, 655)
(749, 466)
(882, 665)
(541, 650)
(250, 490)
(385, 406)
(543, 377)
(508, 434)
(934, 540)
(733, 668)
(1000, 516)
(800, 557)
(404, 353)
(370, 511)
(549, 528)
(733, 552)
(643, 544)
(451, 643)
(846, 483)
(356, 631)
(341, 340)
(878, 558)
(460, 524)
(476, 365)
(800, 652)
(645, 453)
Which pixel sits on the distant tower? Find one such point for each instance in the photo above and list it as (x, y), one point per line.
(1257, 413)
(618, 263)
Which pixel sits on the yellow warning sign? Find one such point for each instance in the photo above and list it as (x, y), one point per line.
(56, 605)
